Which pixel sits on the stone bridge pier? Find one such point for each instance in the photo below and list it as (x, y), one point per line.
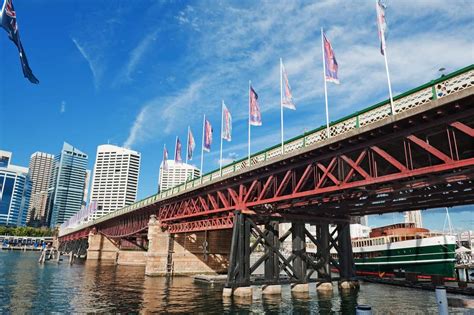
(205, 252)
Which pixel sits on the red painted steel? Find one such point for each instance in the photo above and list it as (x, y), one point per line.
(421, 162)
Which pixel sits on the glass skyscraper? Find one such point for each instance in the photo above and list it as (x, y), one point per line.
(15, 190)
(66, 191)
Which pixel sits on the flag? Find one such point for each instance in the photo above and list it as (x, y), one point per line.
(191, 145)
(287, 97)
(165, 158)
(330, 62)
(207, 136)
(227, 124)
(8, 22)
(381, 24)
(177, 152)
(255, 118)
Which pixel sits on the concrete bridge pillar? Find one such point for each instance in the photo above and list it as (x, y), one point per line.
(204, 252)
(101, 248)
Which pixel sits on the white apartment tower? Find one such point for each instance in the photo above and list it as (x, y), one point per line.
(414, 217)
(176, 174)
(40, 169)
(115, 179)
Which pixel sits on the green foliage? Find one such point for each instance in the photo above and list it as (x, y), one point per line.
(25, 231)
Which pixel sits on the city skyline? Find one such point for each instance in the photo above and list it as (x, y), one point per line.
(155, 102)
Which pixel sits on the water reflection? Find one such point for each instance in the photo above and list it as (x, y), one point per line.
(27, 287)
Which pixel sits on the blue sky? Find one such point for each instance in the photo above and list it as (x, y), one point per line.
(137, 73)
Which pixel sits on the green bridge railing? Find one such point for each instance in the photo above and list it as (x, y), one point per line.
(436, 89)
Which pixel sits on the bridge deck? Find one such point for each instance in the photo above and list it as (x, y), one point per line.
(428, 97)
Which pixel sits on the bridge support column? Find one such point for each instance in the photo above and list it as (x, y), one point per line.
(157, 255)
(323, 250)
(272, 267)
(204, 252)
(346, 259)
(101, 248)
(298, 242)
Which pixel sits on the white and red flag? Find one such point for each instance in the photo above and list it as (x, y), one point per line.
(331, 66)
(287, 96)
(177, 152)
(191, 145)
(165, 158)
(255, 116)
(226, 123)
(381, 24)
(207, 136)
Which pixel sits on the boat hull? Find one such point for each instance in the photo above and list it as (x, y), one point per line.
(428, 256)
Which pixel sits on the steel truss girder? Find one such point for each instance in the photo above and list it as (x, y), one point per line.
(356, 168)
(342, 176)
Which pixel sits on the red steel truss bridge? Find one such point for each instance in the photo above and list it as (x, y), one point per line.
(419, 157)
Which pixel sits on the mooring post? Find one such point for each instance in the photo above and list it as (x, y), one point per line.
(442, 300)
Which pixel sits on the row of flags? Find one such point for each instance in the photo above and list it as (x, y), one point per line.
(330, 73)
(80, 216)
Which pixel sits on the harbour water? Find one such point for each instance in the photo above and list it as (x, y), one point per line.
(28, 287)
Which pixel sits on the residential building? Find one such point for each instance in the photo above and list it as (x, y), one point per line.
(40, 169)
(115, 178)
(414, 217)
(15, 190)
(66, 190)
(176, 174)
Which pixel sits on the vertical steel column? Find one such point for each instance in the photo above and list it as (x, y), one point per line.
(299, 250)
(272, 269)
(346, 259)
(239, 267)
(322, 235)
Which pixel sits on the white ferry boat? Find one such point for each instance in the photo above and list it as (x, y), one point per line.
(401, 248)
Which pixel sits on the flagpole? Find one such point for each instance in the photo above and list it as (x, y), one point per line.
(388, 75)
(325, 85)
(222, 127)
(175, 147)
(202, 145)
(163, 165)
(281, 105)
(250, 84)
(187, 146)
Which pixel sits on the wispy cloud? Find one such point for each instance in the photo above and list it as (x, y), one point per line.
(164, 114)
(136, 56)
(92, 61)
(231, 44)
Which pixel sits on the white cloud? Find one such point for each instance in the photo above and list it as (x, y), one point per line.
(62, 109)
(237, 43)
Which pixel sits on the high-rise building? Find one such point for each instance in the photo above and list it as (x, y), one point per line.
(115, 179)
(15, 190)
(414, 217)
(66, 191)
(175, 174)
(41, 166)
